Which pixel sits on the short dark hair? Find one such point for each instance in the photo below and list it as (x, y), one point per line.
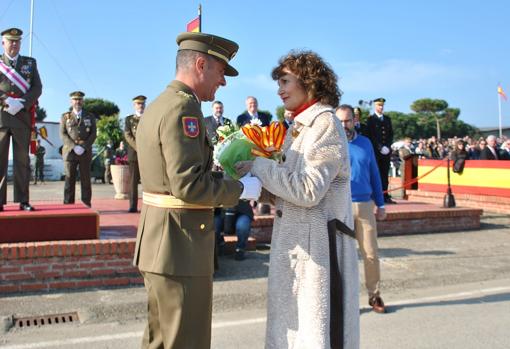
(217, 102)
(315, 75)
(345, 107)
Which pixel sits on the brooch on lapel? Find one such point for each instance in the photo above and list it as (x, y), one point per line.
(296, 129)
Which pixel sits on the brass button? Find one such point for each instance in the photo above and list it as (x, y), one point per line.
(279, 213)
(202, 226)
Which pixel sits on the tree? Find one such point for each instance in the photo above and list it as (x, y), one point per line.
(100, 107)
(40, 114)
(109, 129)
(280, 111)
(431, 107)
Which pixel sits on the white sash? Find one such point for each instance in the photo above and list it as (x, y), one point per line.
(14, 77)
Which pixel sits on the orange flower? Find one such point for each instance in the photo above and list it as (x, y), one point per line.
(268, 139)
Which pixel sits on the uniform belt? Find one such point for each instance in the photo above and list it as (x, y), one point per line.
(169, 201)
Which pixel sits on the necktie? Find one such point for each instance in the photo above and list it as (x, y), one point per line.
(12, 62)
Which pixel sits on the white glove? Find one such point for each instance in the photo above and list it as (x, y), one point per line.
(78, 149)
(385, 150)
(14, 105)
(252, 188)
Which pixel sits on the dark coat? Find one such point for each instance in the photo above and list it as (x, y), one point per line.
(211, 126)
(459, 158)
(380, 133)
(130, 126)
(245, 118)
(486, 154)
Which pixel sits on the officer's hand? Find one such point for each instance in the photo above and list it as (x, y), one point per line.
(385, 150)
(380, 213)
(252, 188)
(79, 150)
(243, 167)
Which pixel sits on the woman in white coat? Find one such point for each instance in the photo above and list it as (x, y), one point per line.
(313, 275)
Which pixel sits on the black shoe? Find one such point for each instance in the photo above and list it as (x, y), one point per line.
(25, 206)
(239, 256)
(377, 304)
(1, 208)
(132, 210)
(389, 200)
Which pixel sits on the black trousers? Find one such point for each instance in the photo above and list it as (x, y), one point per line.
(383, 162)
(135, 178)
(21, 162)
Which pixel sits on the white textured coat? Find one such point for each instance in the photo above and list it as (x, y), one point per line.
(312, 186)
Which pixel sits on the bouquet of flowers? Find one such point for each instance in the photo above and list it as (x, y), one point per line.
(246, 144)
(121, 159)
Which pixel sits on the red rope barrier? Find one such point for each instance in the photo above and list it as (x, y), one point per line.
(414, 180)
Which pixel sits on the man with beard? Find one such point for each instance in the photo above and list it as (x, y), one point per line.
(365, 190)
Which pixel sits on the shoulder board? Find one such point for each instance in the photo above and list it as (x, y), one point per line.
(67, 115)
(184, 94)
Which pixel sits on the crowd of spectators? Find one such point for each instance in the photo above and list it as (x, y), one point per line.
(457, 149)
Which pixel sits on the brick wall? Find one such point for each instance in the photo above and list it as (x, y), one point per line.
(487, 202)
(45, 266)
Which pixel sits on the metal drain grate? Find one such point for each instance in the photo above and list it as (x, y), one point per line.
(45, 320)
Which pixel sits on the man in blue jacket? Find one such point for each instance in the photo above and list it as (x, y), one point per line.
(366, 188)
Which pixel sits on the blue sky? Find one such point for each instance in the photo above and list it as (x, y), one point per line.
(400, 50)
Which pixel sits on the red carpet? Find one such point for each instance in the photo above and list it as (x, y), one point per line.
(49, 222)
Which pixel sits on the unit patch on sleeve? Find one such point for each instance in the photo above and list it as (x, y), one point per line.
(190, 126)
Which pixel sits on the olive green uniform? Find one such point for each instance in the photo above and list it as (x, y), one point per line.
(77, 131)
(174, 247)
(130, 127)
(39, 163)
(19, 128)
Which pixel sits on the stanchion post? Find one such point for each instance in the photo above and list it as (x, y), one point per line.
(449, 199)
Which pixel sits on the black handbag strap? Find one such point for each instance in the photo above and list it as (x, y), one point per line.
(340, 227)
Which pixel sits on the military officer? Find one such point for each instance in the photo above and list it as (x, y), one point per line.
(78, 133)
(130, 126)
(39, 162)
(175, 240)
(20, 85)
(380, 133)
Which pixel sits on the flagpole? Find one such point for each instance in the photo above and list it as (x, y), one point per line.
(200, 18)
(499, 109)
(31, 27)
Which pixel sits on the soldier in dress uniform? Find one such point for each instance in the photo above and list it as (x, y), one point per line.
(78, 133)
(130, 126)
(175, 240)
(20, 86)
(380, 133)
(39, 162)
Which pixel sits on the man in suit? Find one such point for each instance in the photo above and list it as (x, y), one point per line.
(20, 86)
(490, 152)
(78, 133)
(504, 152)
(380, 133)
(253, 115)
(212, 122)
(130, 127)
(360, 127)
(175, 239)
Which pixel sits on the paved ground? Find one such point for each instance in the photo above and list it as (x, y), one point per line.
(448, 290)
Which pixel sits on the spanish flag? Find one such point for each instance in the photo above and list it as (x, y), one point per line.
(194, 25)
(501, 92)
